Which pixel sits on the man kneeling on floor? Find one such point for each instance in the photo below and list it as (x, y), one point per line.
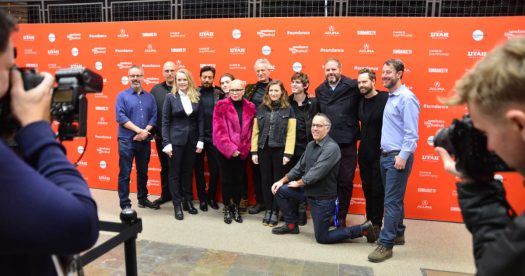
(315, 177)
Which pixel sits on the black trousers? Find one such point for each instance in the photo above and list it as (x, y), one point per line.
(232, 178)
(256, 177)
(213, 167)
(164, 170)
(272, 169)
(345, 179)
(181, 172)
(370, 171)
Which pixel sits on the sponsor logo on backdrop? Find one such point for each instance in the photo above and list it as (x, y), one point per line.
(82, 163)
(434, 123)
(149, 34)
(366, 32)
(122, 34)
(427, 190)
(297, 32)
(53, 52)
(236, 34)
(177, 35)
(103, 150)
(439, 35)
(150, 49)
(266, 50)
(124, 65)
(101, 95)
(103, 137)
(357, 201)
(430, 140)
(28, 37)
(400, 34)
(153, 183)
(424, 204)
(151, 80)
(298, 50)
(53, 66)
(151, 65)
(178, 50)
(102, 122)
(514, 33)
(402, 51)
(237, 51)
(331, 31)
(266, 33)
(94, 36)
(478, 35)
(123, 51)
(206, 34)
(206, 50)
(104, 178)
(455, 209)
(179, 64)
(124, 80)
(74, 52)
(498, 177)
(438, 53)
(236, 66)
(75, 36)
(430, 158)
(357, 68)
(366, 49)
(31, 65)
(208, 64)
(438, 70)
(297, 66)
(435, 106)
(455, 193)
(436, 87)
(98, 50)
(29, 52)
(102, 164)
(476, 54)
(98, 65)
(101, 108)
(427, 174)
(76, 65)
(80, 149)
(332, 50)
(51, 37)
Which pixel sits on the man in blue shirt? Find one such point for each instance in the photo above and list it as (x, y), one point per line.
(136, 112)
(399, 136)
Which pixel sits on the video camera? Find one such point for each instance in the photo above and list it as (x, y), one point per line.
(469, 146)
(69, 103)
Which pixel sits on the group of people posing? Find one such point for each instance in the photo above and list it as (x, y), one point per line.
(314, 139)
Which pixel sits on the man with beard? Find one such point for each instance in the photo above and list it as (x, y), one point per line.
(209, 98)
(399, 136)
(136, 113)
(160, 91)
(338, 97)
(370, 112)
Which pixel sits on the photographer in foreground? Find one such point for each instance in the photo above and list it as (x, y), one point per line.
(45, 205)
(494, 92)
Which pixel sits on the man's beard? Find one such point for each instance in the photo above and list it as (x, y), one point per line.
(368, 90)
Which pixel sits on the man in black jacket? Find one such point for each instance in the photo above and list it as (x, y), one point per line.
(338, 97)
(495, 95)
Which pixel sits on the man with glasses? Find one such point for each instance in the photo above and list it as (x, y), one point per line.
(160, 91)
(315, 177)
(136, 113)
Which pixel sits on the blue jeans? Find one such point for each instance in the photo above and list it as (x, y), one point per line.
(395, 183)
(127, 151)
(285, 197)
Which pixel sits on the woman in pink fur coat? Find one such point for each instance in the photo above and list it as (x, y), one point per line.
(232, 132)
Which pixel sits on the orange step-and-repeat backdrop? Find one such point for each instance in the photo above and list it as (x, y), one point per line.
(436, 52)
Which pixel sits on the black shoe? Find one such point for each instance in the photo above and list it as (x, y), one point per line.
(368, 231)
(234, 209)
(227, 215)
(213, 204)
(203, 206)
(266, 219)
(145, 203)
(161, 200)
(185, 205)
(302, 214)
(284, 229)
(255, 209)
(179, 215)
(191, 208)
(274, 219)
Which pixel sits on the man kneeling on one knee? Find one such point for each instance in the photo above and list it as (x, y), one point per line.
(314, 177)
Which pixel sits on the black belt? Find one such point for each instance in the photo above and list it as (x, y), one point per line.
(390, 153)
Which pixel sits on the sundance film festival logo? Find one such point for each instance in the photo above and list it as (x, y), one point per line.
(298, 50)
(53, 52)
(206, 34)
(98, 50)
(96, 36)
(440, 35)
(101, 108)
(366, 32)
(331, 31)
(332, 50)
(297, 32)
(103, 137)
(29, 52)
(424, 204)
(123, 34)
(75, 36)
(367, 50)
(150, 49)
(206, 50)
(31, 65)
(28, 37)
(237, 51)
(150, 34)
(123, 51)
(435, 106)
(178, 50)
(102, 122)
(401, 34)
(437, 53)
(438, 70)
(402, 51)
(434, 123)
(455, 209)
(358, 67)
(266, 33)
(124, 65)
(177, 35)
(427, 190)
(150, 65)
(436, 87)
(476, 54)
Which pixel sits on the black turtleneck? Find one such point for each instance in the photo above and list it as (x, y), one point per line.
(260, 89)
(238, 108)
(207, 105)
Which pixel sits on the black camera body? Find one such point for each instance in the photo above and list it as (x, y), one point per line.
(69, 102)
(469, 146)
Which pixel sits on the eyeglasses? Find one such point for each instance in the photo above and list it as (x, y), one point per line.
(136, 76)
(318, 125)
(236, 90)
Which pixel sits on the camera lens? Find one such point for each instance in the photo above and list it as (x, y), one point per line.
(442, 139)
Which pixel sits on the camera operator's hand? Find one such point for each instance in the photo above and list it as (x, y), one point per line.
(33, 105)
(448, 163)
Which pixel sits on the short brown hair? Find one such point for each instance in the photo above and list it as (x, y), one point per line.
(284, 97)
(371, 74)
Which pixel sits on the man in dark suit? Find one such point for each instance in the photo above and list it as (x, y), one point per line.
(371, 109)
(338, 97)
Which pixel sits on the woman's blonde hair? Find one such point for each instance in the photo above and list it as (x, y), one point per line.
(192, 92)
(284, 96)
